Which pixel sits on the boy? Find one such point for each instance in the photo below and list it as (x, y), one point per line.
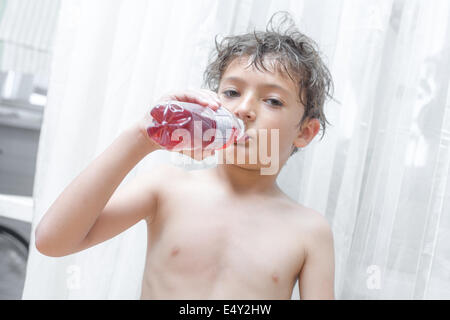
(227, 232)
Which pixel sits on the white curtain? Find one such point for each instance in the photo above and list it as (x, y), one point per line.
(380, 175)
(26, 35)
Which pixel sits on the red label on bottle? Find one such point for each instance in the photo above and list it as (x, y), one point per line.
(170, 117)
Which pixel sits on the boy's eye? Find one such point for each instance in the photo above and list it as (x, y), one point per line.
(275, 102)
(230, 93)
(233, 93)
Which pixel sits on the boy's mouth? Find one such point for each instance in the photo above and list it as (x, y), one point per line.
(242, 140)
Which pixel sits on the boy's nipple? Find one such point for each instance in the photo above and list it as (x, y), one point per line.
(275, 277)
(175, 250)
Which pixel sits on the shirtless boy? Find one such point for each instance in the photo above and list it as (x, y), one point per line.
(226, 232)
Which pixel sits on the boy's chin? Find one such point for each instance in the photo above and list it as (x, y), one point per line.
(252, 167)
(247, 157)
(231, 156)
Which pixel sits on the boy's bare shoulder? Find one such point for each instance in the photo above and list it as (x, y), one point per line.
(161, 176)
(317, 230)
(310, 221)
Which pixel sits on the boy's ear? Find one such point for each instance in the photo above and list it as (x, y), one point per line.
(308, 131)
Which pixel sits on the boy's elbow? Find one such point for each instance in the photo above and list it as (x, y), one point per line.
(50, 251)
(43, 247)
(46, 246)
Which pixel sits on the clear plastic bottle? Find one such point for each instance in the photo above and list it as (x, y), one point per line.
(196, 119)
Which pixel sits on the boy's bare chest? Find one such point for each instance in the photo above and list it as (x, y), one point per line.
(203, 234)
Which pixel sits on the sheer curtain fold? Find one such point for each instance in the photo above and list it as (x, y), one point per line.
(392, 218)
(26, 35)
(380, 174)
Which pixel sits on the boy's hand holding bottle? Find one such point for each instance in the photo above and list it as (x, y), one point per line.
(190, 122)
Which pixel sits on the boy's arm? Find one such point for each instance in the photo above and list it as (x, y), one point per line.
(316, 279)
(84, 214)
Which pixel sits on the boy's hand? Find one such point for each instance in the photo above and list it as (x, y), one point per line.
(202, 97)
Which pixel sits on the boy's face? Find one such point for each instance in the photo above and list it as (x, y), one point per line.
(265, 100)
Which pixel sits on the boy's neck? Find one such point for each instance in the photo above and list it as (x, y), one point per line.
(243, 181)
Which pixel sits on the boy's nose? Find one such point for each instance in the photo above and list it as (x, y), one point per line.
(245, 112)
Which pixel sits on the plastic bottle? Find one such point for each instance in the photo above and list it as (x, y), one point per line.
(196, 119)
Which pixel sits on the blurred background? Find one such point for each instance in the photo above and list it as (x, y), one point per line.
(74, 73)
(26, 35)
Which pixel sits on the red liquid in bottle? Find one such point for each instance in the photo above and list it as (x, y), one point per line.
(170, 117)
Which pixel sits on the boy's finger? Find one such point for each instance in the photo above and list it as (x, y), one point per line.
(213, 95)
(204, 99)
(193, 96)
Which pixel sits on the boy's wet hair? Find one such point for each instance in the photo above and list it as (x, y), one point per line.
(287, 51)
